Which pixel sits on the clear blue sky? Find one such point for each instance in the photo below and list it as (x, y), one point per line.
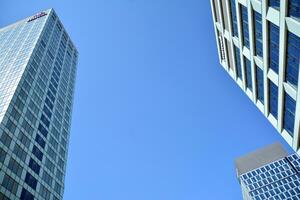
(155, 116)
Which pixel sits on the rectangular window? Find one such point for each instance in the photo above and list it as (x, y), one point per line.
(31, 181)
(15, 167)
(238, 63)
(248, 73)
(289, 114)
(258, 34)
(274, 47)
(273, 96)
(294, 9)
(25, 195)
(245, 26)
(260, 84)
(292, 61)
(34, 166)
(40, 140)
(37, 153)
(234, 19)
(10, 184)
(274, 4)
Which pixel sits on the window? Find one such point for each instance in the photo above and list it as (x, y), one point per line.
(37, 153)
(238, 62)
(5, 139)
(3, 197)
(248, 74)
(289, 114)
(293, 57)
(20, 153)
(234, 19)
(258, 34)
(2, 155)
(260, 84)
(45, 121)
(245, 26)
(274, 47)
(10, 184)
(25, 195)
(15, 167)
(34, 166)
(274, 4)
(40, 140)
(43, 130)
(31, 181)
(294, 9)
(273, 95)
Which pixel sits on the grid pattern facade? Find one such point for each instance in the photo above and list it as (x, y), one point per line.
(37, 77)
(264, 46)
(276, 180)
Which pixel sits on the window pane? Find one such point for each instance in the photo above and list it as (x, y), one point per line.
(292, 62)
(273, 95)
(274, 47)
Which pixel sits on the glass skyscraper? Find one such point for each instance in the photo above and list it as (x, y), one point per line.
(269, 173)
(37, 75)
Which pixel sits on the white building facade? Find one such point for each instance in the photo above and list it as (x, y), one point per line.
(259, 46)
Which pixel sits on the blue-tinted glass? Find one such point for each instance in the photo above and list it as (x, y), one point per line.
(258, 34)
(292, 62)
(273, 95)
(233, 16)
(238, 62)
(25, 195)
(248, 74)
(275, 4)
(34, 166)
(289, 114)
(37, 153)
(31, 181)
(40, 140)
(260, 84)
(294, 9)
(245, 26)
(274, 47)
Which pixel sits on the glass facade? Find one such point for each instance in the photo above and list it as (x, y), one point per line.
(276, 180)
(292, 61)
(37, 76)
(273, 99)
(258, 34)
(260, 84)
(294, 9)
(289, 114)
(274, 47)
(245, 27)
(248, 73)
(234, 19)
(274, 4)
(238, 63)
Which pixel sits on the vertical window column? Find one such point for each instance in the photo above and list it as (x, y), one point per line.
(248, 73)
(289, 114)
(233, 17)
(273, 47)
(293, 57)
(238, 63)
(273, 99)
(260, 84)
(258, 34)
(245, 26)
